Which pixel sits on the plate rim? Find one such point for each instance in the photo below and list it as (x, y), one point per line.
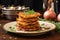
(36, 32)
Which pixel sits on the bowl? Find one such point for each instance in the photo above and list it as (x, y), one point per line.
(11, 12)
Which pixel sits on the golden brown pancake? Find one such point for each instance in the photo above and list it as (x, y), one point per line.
(25, 23)
(27, 20)
(28, 28)
(23, 15)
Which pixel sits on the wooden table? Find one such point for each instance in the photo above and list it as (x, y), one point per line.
(9, 36)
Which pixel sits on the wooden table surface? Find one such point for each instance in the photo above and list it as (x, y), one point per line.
(9, 36)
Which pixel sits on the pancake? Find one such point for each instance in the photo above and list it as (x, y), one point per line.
(28, 28)
(23, 15)
(25, 23)
(37, 24)
(28, 21)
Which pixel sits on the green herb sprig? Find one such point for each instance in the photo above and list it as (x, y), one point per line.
(29, 12)
(56, 23)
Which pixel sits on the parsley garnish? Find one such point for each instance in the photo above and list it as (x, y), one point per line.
(29, 12)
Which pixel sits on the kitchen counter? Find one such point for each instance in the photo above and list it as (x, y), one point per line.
(52, 35)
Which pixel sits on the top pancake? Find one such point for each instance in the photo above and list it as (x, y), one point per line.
(23, 15)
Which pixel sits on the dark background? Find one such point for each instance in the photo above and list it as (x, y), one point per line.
(59, 5)
(37, 5)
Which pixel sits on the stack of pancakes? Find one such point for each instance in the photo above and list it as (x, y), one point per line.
(28, 22)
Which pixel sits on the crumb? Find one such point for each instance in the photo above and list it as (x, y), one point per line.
(10, 37)
(4, 37)
(15, 38)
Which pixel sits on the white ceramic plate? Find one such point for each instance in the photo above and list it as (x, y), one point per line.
(11, 27)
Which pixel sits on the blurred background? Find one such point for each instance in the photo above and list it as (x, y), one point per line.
(37, 5)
